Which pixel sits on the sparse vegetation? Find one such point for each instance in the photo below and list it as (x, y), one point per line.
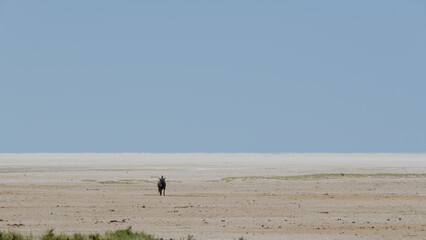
(125, 181)
(117, 182)
(324, 176)
(121, 181)
(13, 236)
(88, 180)
(124, 234)
(190, 237)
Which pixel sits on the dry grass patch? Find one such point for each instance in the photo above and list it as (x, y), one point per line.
(323, 176)
(121, 181)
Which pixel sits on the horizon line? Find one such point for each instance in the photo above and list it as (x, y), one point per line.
(212, 152)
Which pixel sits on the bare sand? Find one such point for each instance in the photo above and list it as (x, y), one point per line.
(98, 192)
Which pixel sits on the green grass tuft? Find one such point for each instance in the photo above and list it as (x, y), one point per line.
(128, 234)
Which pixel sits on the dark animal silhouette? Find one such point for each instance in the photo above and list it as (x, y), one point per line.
(162, 186)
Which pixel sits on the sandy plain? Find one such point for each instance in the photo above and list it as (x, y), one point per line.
(210, 197)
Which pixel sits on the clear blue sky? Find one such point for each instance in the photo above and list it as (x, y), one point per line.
(212, 76)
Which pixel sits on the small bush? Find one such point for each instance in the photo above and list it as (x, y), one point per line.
(78, 236)
(49, 235)
(94, 236)
(11, 236)
(128, 234)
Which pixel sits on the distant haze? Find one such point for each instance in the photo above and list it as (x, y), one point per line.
(212, 76)
(284, 163)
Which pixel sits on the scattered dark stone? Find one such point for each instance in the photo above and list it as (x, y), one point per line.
(15, 225)
(117, 221)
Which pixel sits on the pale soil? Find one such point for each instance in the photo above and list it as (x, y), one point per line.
(63, 191)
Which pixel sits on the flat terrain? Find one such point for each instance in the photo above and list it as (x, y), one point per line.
(218, 196)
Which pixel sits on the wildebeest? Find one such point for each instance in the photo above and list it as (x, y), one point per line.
(162, 186)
